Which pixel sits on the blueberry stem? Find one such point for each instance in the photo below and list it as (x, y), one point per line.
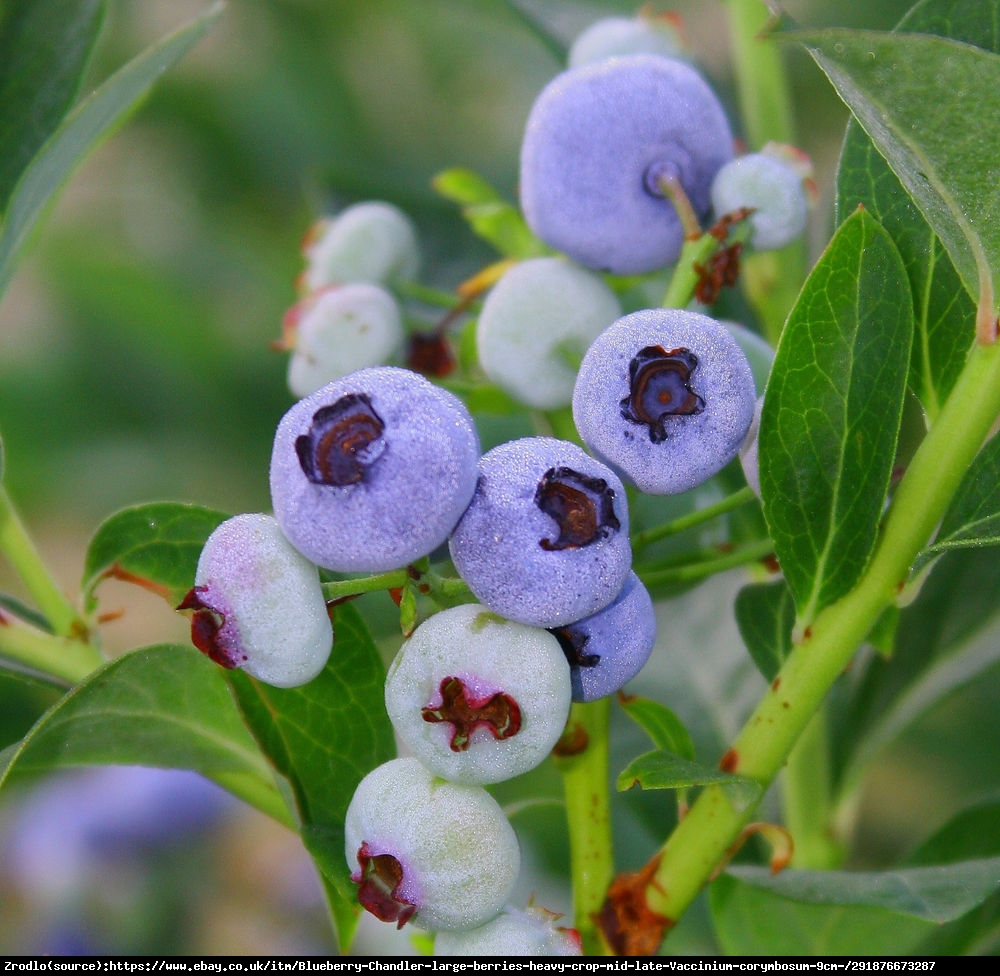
(586, 783)
(16, 544)
(685, 278)
(706, 514)
(750, 552)
(65, 659)
(700, 842)
(341, 589)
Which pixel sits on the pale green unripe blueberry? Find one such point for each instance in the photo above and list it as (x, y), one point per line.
(477, 698)
(759, 352)
(420, 848)
(537, 322)
(257, 604)
(337, 330)
(612, 37)
(748, 452)
(770, 184)
(372, 241)
(534, 932)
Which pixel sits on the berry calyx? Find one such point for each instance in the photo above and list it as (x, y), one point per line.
(343, 441)
(379, 878)
(465, 711)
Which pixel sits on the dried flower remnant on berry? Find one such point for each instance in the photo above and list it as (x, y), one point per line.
(581, 506)
(379, 878)
(343, 440)
(499, 713)
(573, 641)
(660, 387)
(208, 629)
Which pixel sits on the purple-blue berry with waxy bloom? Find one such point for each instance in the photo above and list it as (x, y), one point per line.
(665, 396)
(257, 604)
(476, 698)
(373, 470)
(372, 241)
(337, 330)
(544, 540)
(419, 848)
(599, 143)
(608, 649)
(536, 323)
(533, 932)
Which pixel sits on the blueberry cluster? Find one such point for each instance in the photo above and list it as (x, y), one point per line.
(377, 469)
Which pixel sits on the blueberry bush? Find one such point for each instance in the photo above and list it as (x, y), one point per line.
(603, 558)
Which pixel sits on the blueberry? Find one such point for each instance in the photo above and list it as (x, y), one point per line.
(476, 698)
(665, 396)
(337, 330)
(422, 849)
(759, 352)
(614, 37)
(599, 140)
(748, 452)
(257, 604)
(535, 326)
(534, 932)
(373, 242)
(373, 470)
(609, 648)
(772, 183)
(544, 540)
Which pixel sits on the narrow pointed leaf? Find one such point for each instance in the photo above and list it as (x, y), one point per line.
(44, 48)
(665, 729)
(155, 545)
(662, 770)
(941, 148)
(765, 614)
(82, 130)
(166, 706)
(832, 410)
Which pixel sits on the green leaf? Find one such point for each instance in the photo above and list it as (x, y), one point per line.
(765, 614)
(944, 311)
(666, 730)
(662, 770)
(44, 48)
(165, 705)
(490, 216)
(156, 545)
(323, 737)
(973, 519)
(885, 79)
(810, 913)
(832, 412)
(81, 131)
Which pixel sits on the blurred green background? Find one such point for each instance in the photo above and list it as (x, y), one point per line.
(134, 341)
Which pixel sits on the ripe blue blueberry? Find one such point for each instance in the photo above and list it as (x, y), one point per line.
(544, 540)
(533, 932)
(665, 396)
(420, 848)
(257, 604)
(373, 470)
(372, 241)
(614, 37)
(772, 183)
(476, 698)
(535, 326)
(337, 330)
(609, 648)
(600, 140)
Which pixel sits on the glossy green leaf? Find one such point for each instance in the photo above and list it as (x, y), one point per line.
(167, 705)
(944, 310)
(662, 770)
(666, 730)
(82, 130)
(973, 518)
(885, 79)
(44, 48)
(323, 737)
(765, 614)
(494, 219)
(156, 545)
(832, 411)
(816, 913)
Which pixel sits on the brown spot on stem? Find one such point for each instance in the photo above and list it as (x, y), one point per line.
(572, 742)
(629, 925)
(729, 761)
(776, 684)
(499, 713)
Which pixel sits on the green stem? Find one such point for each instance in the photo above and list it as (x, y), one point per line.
(702, 838)
(685, 278)
(19, 549)
(751, 552)
(429, 296)
(341, 589)
(64, 658)
(588, 814)
(693, 519)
